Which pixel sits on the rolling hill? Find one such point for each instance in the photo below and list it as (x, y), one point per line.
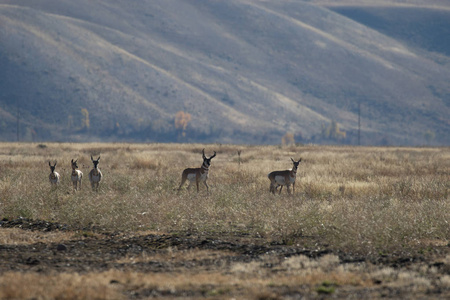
(243, 71)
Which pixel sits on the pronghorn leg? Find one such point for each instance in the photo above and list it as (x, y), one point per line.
(273, 187)
(293, 188)
(183, 180)
(196, 182)
(281, 187)
(288, 189)
(207, 187)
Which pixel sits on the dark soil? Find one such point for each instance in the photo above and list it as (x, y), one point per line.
(98, 250)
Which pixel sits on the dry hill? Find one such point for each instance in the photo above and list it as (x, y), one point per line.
(245, 71)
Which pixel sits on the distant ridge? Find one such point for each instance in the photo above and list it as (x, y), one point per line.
(243, 71)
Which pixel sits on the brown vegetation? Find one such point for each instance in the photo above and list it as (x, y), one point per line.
(367, 222)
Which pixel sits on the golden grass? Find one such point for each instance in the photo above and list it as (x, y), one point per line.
(16, 236)
(244, 280)
(359, 198)
(16, 285)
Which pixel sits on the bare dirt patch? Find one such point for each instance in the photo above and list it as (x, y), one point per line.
(172, 265)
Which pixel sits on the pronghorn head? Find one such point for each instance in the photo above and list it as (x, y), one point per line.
(206, 160)
(95, 162)
(296, 163)
(52, 168)
(74, 164)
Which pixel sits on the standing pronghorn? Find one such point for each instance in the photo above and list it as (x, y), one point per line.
(76, 176)
(281, 178)
(95, 175)
(197, 174)
(54, 176)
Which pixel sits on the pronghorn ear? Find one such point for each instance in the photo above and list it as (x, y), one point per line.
(72, 161)
(300, 159)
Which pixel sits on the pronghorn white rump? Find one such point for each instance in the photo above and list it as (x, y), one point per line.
(54, 176)
(197, 174)
(95, 175)
(284, 178)
(76, 176)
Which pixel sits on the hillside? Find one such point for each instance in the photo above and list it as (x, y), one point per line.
(245, 71)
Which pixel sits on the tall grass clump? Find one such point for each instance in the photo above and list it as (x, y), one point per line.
(364, 199)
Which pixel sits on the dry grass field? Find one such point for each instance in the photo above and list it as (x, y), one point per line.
(364, 222)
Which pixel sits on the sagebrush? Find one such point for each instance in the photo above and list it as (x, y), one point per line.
(359, 198)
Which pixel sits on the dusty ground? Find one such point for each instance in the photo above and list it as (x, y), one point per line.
(93, 250)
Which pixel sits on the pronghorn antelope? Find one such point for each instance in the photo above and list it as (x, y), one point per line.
(95, 175)
(54, 176)
(76, 176)
(284, 178)
(197, 174)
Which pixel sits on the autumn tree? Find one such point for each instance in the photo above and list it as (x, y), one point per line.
(85, 122)
(288, 139)
(182, 120)
(333, 132)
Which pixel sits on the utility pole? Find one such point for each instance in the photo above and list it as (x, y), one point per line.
(18, 122)
(359, 122)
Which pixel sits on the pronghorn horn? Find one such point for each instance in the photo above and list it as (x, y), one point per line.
(49, 164)
(292, 160)
(92, 158)
(98, 158)
(213, 155)
(203, 153)
(72, 161)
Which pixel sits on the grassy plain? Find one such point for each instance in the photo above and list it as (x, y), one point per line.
(370, 203)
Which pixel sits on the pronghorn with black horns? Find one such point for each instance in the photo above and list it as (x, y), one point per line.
(197, 174)
(284, 178)
(54, 176)
(95, 175)
(76, 176)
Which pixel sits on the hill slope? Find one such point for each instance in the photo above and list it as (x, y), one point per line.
(245, 71)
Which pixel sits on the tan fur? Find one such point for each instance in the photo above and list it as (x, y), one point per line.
(76, 176)
(197, 174)
(95, 175)
(284, 178)
(54, 176)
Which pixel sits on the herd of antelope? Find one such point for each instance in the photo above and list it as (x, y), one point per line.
(278, 179)
(95, 175)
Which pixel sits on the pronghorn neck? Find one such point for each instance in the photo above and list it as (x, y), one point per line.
(204, 168)
(294, 171)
